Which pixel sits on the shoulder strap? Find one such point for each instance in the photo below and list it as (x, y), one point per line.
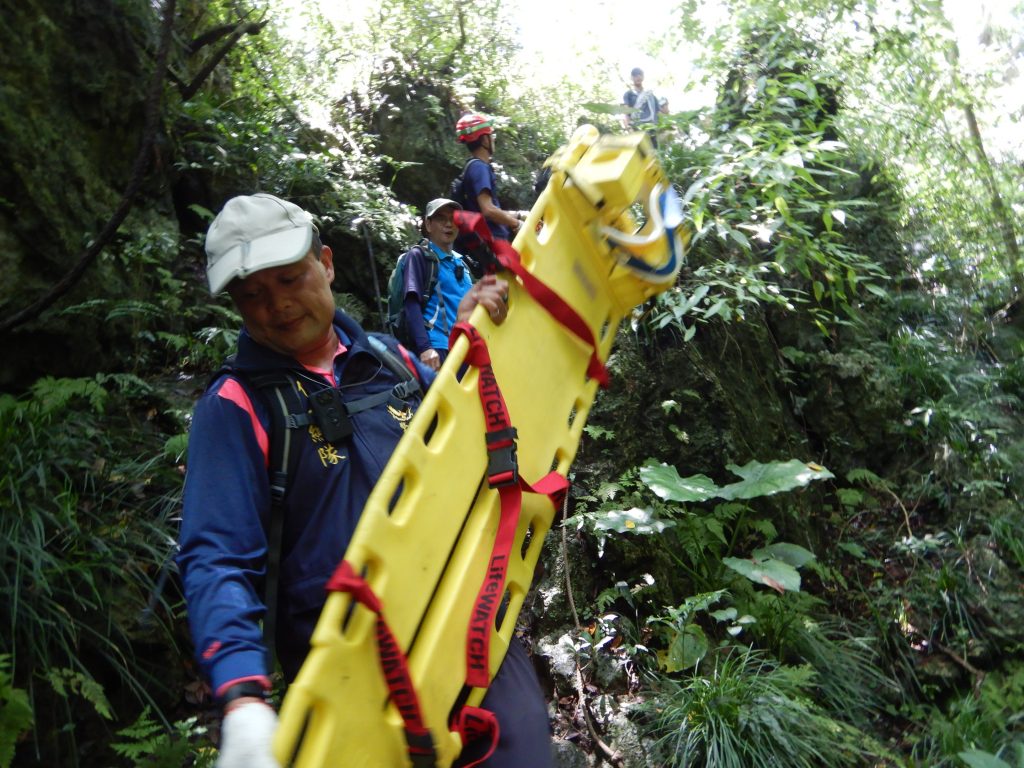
(462, 181)
(277, 389)
(433, 265)
(285, 410)
(409, 384)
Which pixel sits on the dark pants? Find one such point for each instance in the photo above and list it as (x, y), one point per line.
(515, 697)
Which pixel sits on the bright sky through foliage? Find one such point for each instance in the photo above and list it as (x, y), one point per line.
(595, 43)
(557, 36)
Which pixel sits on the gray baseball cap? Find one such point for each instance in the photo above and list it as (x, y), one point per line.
(254, 232)
(436, 205)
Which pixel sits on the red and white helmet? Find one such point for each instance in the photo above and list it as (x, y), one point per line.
(472, 126)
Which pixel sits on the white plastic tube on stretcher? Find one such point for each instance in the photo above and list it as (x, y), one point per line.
(426, 534)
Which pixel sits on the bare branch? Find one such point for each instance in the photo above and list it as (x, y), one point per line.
(252, 28)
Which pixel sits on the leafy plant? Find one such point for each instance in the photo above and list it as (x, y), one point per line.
(149, 744)
(82, 537)
(15, 713)
(744, 710)
(988, 720)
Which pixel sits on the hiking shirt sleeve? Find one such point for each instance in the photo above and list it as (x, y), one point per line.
(223, 544)
(417, 275)
(479, 178)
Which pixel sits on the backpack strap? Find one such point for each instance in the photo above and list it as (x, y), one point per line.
(409, 384)
(286, 415)
(462, 183)
(433, 279)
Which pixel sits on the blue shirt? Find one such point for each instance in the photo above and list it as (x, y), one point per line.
(453, 283)
(479, 177)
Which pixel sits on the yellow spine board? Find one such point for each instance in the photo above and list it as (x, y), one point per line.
(425, 537)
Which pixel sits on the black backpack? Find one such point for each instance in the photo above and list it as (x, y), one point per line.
(475, 251)
(457, 189)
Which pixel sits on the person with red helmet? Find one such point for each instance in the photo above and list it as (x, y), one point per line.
(479, 184)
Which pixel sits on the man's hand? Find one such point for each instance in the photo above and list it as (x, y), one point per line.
(246, 734)
(431, 359)
(491, 293)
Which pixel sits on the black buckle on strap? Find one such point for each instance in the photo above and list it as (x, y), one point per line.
(420, 749)
(405, 390)
(502, 461)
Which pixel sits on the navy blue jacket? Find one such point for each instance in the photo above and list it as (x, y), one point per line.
(227, 502)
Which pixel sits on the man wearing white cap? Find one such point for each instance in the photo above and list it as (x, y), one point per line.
(267, 254)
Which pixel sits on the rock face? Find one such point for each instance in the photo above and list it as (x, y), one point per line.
(74, 80)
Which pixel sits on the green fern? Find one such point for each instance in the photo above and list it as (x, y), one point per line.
(148, 743)
(15, 713)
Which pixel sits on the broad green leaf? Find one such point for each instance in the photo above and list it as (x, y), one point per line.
(854, 549)
(667, 484)
(766, 479)
(739, 237)
(717, 307)
(687, 649)
(776, 574)
(782, 206)
(634, 520)
(793, 554)
(694, 298)
(977, 758)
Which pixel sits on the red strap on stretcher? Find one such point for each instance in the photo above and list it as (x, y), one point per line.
(472, 723)
(503, 475)
(419, 743)
(556, 306)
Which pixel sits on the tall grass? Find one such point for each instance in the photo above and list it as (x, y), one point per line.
(83, 530)
(744, 709)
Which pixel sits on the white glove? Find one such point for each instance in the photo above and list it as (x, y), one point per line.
(246, 734)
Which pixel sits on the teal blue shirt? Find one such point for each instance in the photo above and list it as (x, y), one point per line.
(453, 282)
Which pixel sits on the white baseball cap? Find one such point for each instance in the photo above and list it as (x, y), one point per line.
(254, 232)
